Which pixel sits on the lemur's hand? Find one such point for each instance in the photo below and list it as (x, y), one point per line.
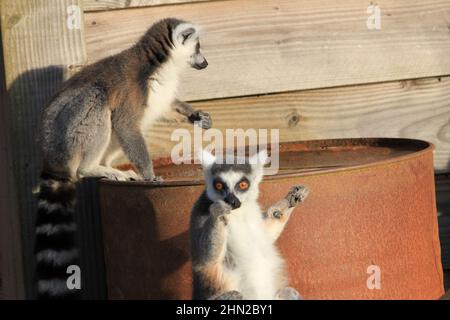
(220, 210)
(203, 117)
(296, 195)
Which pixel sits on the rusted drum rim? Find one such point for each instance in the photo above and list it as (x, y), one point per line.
(319, 145)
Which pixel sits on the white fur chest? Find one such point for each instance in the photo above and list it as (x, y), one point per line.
(162, 89)
(256, 258)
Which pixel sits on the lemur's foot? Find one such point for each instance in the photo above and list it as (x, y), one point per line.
(296, 195)
(288, 293)
(230, 295)
(131, 175)
(221, 210)
(108, 173)
(118, 175)
(203, 118)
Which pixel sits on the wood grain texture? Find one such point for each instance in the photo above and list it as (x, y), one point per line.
(39, 50)
(411, 109)
(96, 5)
(264, 46)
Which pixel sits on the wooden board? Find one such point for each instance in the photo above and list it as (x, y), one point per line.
(11, 269)
(263, 46)
(410, 109)
(39, 53)
(96, 5)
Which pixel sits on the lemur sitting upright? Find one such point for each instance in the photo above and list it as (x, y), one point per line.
(233, 250)
(122, 94)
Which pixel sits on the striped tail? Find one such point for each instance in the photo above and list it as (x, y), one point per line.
(55, 247)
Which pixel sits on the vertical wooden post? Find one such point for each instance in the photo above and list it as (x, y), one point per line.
(11, 271)
(42, 42)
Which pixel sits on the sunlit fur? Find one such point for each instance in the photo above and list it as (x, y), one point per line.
(118, 96)
(257, 270)
(163, 84)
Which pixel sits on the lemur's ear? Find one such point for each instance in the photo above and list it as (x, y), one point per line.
(206, 158)
(259, 158)
(184, 32)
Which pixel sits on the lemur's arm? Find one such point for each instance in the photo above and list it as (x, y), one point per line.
(208, 250)
(191, 114)
(126, 127)
(277, 215)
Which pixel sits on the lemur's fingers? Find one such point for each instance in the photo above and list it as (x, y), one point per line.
(296, 195)
(203, 118)
(220, 209)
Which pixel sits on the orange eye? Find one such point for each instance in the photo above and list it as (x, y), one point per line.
(218, 186)
(243, 185)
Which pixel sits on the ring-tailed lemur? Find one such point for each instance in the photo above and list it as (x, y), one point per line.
(233, 250)
(122, 94)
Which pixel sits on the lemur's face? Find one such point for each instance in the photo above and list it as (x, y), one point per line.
(232, 182)
(187, 46)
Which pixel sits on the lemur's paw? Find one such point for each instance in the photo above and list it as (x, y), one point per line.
(157, 179)
(131, 175)
(221, 210)
(203, 118)
(296, 195)
(288, 293)
(117, 175)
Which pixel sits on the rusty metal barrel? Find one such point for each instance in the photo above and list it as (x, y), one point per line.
(368, 229)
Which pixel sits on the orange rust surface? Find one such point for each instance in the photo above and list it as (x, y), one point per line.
(373, 212)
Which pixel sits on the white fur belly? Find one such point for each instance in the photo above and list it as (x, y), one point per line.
(162, 88)
(257, 261)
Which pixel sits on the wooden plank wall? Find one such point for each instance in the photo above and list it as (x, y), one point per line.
(40, 51)
(97, 5)
(282, 45)
(11, 275)
(310, 68)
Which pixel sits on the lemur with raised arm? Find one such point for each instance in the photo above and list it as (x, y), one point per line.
(122, 95)
(232, 241)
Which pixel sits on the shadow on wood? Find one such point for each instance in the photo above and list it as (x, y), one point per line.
(27, 97)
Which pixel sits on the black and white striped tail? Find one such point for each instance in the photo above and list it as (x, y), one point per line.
(55, 247)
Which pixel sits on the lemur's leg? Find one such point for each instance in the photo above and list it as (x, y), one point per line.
(288, 293)
(113, 151)
(277, 215)
(229, 295)
(127, 129)
(191, 114)
(93, 146)
(209, 250)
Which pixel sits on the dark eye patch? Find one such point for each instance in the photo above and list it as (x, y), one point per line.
(243, 185)
(219, 185)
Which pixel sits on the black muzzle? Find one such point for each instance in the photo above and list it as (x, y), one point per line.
(233, 201)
